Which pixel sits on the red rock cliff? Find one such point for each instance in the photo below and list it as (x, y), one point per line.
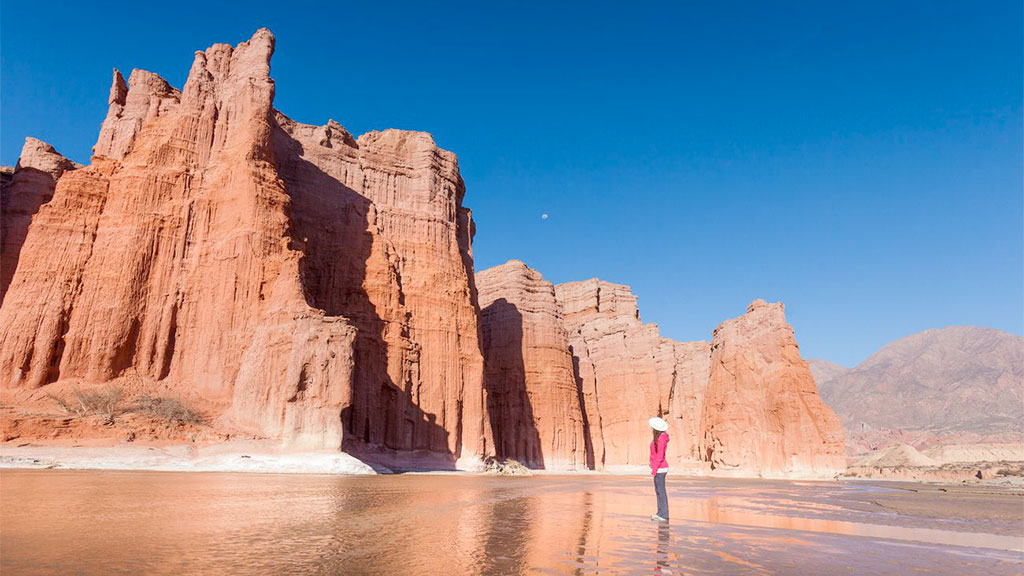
(387, 245)
(533, 401)
(314, 287)
(30, 186)
(627, 373)
(744, 404)
(762, 413)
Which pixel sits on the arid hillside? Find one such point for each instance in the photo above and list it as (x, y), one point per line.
(955, 385)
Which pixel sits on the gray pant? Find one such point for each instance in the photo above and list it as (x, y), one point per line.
(659, 489)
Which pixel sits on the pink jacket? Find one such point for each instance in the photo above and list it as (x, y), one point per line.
(658, 453)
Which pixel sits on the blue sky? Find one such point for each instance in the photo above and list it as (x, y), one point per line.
(861, 162)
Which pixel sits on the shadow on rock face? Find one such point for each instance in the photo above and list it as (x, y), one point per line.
(508, 403)
(345, 260)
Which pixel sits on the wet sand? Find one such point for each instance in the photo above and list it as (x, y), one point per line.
(102, 522)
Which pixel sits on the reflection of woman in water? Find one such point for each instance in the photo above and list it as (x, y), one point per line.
(659, 467)
(661, 564)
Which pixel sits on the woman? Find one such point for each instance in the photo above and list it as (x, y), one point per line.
(659, 467)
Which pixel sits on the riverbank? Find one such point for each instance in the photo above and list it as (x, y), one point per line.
(253, 456)
(233, 456)
(268, 457)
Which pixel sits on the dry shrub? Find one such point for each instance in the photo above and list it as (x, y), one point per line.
(170, 409)
(102, 401)
(1011, 469)
(505, 467)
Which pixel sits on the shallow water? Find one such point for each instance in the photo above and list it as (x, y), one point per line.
(102, 522)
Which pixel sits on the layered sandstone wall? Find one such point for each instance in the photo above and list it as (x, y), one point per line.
(627, 373)
(310, 286)
(614, 352)
(533, 401)
(29, 187)
(165, 254)
(743, 404)
(387, 245)
(762, 413)
(684, 406)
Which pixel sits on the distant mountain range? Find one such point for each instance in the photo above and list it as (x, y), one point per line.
(956, 384)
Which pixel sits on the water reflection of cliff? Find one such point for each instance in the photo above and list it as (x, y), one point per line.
(162, 524)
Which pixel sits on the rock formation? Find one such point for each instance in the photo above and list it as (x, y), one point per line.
(308, 286)
(686, 388)
(762, 411)
(953, 463)
(744, 404)
(312, 286)
(532, 399)
(627, 373)
(29, 187)
(388, 246)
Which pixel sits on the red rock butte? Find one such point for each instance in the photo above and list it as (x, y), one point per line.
(304, 285)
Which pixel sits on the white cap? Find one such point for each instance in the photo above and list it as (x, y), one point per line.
(658, 424)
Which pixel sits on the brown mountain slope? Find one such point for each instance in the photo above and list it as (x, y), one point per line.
(823, 370)
(961, 380)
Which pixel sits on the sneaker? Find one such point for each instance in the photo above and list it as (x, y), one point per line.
(659, 518)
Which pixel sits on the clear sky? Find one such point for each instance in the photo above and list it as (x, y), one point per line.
(859, 161)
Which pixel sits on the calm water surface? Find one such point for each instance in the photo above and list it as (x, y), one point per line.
(101, 522)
